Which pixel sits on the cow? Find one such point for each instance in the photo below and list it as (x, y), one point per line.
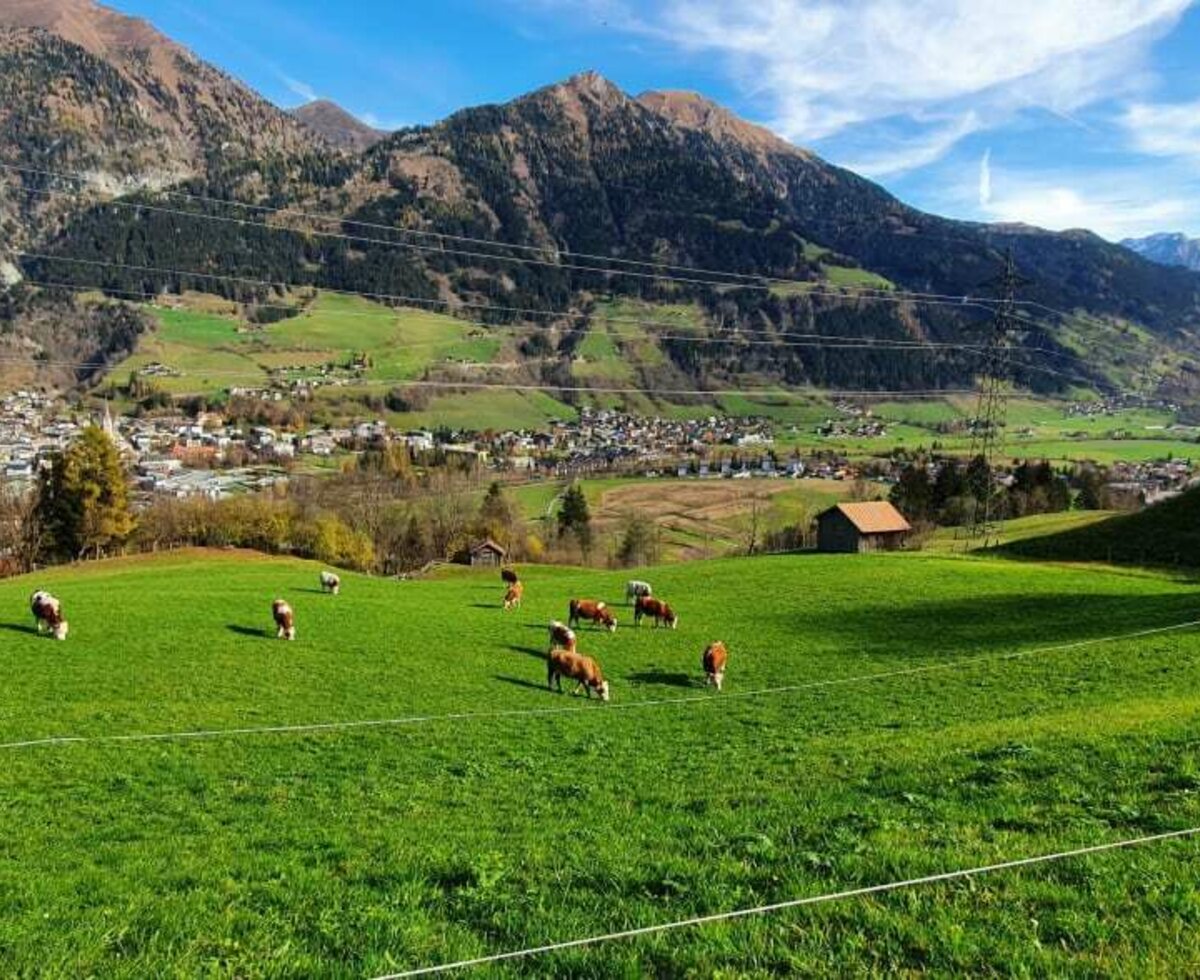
(48, 614)
(714, 660)
(585, 670)
(634, 590)
(656, 609)
(512, 596)
(509, 576)
(562, 637)
(285, 620)
(330, 583)
(590, 609)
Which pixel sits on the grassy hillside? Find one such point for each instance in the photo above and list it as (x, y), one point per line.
(215, 350)
(1165, 534)
(355, 852)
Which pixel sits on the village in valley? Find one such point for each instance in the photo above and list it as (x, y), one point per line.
(176, 456)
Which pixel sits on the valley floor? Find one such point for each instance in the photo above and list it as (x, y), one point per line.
(494, 815)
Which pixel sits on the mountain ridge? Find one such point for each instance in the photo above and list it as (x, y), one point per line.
(337, 126)
(578, 166)
(1167, 248)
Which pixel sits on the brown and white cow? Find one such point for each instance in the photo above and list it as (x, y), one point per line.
(285, 620)
(509, 576)
(593, 611)
(656, 609)
(714, 660)
(562, 637)
(584, 670)
(512, 596)
(48, 614)
(331, 583)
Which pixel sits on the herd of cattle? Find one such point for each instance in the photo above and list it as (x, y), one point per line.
(563, 659)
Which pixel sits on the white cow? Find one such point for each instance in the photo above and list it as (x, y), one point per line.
(635, 590)
(48, 614)
(330, 583)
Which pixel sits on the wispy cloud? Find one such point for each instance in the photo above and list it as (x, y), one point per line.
(923, 149)
(985, 179)
(822, 67)
(1114, 205)
(297, 87)
(1167, 130)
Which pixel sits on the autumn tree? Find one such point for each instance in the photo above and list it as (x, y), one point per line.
(83, 499)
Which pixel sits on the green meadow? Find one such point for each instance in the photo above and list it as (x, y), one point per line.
(494, 815)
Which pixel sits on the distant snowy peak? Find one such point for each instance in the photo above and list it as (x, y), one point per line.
(1168, 249)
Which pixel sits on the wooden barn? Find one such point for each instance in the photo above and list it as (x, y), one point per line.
(484, 554)
(872, 526)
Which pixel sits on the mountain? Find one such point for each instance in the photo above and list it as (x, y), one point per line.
(86, 89)
(1168, 249)
(570, 173)
(336, 126)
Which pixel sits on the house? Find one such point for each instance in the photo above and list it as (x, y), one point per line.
(483, 554)
(873, 526)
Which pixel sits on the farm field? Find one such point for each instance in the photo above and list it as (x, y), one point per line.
(485, 824)
(696, 518)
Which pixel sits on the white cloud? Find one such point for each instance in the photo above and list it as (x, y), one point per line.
(917, 152)
(1166, 130)
(1114, 206)
(985, 178)
(383, 125)
(828, 63)
(297, 87)
(821, 67)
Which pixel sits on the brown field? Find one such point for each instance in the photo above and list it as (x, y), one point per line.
(704, 518)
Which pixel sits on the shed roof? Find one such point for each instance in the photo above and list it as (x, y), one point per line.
(874, 517)
(487, 545)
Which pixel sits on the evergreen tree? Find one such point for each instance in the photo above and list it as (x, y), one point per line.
(83, 500)
(574, 516)
(499, 518)
(913, 493)
(639, 545)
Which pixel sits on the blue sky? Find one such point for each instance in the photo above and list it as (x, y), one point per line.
(1061, 113)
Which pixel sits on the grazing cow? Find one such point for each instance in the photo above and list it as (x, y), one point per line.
(656, 609)
(285, 620)
(568, 663)
(512, 597)
(634, 590)
(330, 583)
(596, 612)
(509, 576)
(715, 657)
(562, 637)
(48, 614)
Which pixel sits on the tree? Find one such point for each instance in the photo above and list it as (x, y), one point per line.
(913, 493)
(639, 544)
(575, 518)
(499, 518)
(83, 500)
(20, 529)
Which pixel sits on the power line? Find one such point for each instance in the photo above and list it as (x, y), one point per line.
(819, 340)
(182, 274)
(755, 278)
(762, 283)
(860, 892)
(808, 287)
